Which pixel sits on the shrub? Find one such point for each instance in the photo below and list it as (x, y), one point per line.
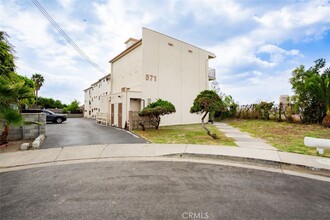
(156, 109)
(206, 102)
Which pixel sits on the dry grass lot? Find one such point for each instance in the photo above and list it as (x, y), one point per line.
(184, 134)
(13, 146)
(284, 136)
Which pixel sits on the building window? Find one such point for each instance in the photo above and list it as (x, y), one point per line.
(149, 101)
(190, 51)
(170, 44)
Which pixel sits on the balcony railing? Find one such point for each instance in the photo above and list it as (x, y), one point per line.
(211, 74)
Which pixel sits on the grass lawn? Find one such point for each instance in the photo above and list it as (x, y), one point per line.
(184, 134)
(284, 136)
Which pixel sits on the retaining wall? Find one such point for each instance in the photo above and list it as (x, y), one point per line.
(75, 115)
(29, 131)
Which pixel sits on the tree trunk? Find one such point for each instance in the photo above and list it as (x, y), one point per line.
(158, 122)
(214, 136)
(4, 135)
(36, 104)
(142, 125)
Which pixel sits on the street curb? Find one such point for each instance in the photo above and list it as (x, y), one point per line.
(259, 162)
(220, 158)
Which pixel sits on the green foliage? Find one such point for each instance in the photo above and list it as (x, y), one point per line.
(38, 80)
(156, 109)
(49, 103)
(73, 107)
(7, 64)
(229, 110)
(207, 101)
(264, 109)
(319, 85)
(312, 91)
(15, 90)
(10, 116)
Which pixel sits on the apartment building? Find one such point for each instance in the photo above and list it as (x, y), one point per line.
(156, 66)
(97, 98)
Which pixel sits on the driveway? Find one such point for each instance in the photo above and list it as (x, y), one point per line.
(81, 131)
(159, 190)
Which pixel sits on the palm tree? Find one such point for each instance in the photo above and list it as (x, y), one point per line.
(13, 92)
(8, 117)
(320, 85)
(39, 81)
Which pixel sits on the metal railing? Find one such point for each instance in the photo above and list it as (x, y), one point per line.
(211, 74)
(102, 118)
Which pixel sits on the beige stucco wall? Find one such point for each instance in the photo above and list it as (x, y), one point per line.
(126, 72)
(97, 98)
(129, 103)
(181, 72)
(161, 67)
(87, 100)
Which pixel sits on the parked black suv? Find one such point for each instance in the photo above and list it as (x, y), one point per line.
(50, 116)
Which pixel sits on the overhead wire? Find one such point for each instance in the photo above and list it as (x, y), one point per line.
(66, 36)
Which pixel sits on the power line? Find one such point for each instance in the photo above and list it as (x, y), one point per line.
(66, 37)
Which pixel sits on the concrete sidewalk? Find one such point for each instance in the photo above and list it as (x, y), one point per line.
(99, 152)
(243, 139)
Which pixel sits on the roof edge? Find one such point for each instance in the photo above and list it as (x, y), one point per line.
(129, 49)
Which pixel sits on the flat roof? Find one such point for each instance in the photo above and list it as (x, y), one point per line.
(99, 80)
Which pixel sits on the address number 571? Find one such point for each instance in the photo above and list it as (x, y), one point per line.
(150, 77)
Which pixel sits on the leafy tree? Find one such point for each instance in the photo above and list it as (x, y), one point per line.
(46, 102)
(264, 109)
(58, 104)
(319, 85)
(156, 109)
(311, 90)
(207, 101)
(50, 103)
(229, 109)
(73, 107)
(38, 81)
(15, 90)
(9, 117)
(7, 64)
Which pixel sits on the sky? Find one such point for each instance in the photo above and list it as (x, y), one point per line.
(257, 42)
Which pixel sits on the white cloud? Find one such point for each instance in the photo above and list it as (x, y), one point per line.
(259, 88)
(294, 22)
(227, 10)
(239, 56)
(239, 31)
(277, 54)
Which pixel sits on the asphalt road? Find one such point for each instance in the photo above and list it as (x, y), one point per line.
(81, 131)
(159, 190)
